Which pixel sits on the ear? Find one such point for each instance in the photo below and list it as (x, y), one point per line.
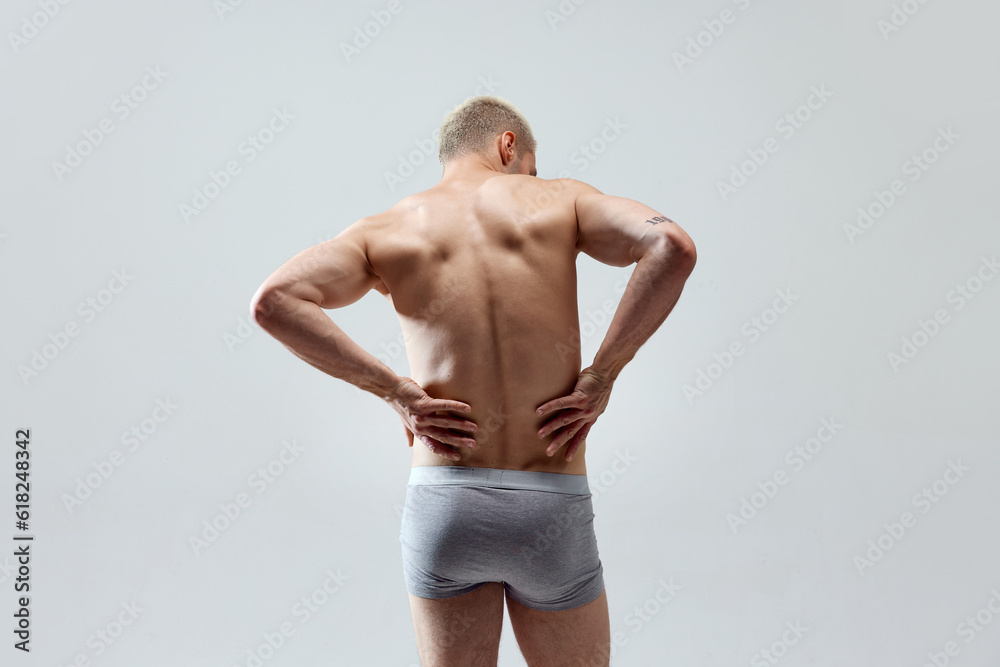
(508, 152)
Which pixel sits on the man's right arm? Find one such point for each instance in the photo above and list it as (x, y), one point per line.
(619, 231)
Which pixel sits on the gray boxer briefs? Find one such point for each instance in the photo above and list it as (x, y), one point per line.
(533, 531)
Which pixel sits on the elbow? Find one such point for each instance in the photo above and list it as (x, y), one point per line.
(688, 254)
(263, 306)
(679, 254)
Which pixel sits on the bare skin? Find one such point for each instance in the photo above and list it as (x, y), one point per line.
(481, 270)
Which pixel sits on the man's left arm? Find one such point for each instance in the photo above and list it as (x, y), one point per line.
(289, 306)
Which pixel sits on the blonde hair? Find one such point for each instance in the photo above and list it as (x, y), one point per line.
(475, 123)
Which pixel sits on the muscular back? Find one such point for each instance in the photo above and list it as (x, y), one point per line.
(483, 277)
(481, 269)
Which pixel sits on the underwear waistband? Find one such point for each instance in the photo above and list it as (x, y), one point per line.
(497, 477)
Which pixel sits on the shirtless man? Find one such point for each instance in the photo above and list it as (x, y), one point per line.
(481, 269)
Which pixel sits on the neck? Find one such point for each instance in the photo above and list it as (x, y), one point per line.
(471, 165)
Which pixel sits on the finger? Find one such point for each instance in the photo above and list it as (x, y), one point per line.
(572, 401)
(561, 438)
(559, 420)
(445, 422)
(558, 441)
(446, 436)
(409, 434)
(577, 441)
(438, 448)
(436, 404)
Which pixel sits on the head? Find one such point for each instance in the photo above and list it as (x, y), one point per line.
(492, 129)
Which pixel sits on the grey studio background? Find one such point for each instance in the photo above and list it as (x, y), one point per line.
(798, 468)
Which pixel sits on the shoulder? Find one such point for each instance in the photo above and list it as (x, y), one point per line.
(390, 222)
(370, 227)
(575, 187)
(563, 188)
(562, 193)
(361, 236)
(540, 192)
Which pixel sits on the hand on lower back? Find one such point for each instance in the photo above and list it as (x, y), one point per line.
(575, 414)
(419, 413)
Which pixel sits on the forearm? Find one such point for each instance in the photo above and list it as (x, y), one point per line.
(303, 328)
(651, 293)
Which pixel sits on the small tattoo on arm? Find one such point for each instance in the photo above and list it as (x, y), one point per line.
(658, 219)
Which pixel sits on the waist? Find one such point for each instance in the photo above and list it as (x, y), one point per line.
(499, 478)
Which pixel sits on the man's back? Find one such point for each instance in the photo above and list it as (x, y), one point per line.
(481, 269)
(482, 273)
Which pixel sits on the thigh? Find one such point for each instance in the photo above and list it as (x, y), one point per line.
(572, 638)
(463, 631)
